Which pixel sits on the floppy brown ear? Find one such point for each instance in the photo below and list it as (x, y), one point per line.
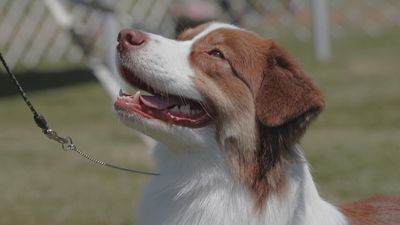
(286, 102)
(286, 93)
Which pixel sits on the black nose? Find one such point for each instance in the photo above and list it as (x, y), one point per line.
(130, 38)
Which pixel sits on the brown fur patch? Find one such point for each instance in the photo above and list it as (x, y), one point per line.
(377, 210)
(275, 153)
(190, 33)
(221, 81)
(263, 101)
(286, 92)
(286, 102)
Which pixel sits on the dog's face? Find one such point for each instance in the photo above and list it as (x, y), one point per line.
(218, 83)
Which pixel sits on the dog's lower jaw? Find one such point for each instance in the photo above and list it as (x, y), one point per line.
(197, 187)
(177, 137)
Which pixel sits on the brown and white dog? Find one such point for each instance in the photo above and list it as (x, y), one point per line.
(228, 108)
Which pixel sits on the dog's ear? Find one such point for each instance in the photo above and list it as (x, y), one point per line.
(286, 102)
(286, 93)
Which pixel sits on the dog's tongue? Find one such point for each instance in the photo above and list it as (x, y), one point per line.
(158, 102)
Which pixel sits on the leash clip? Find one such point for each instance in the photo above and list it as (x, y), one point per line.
(66, 142)
(69, 146)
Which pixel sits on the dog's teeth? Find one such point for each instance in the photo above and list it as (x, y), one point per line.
(195, 111)
(175, 109)
(136, 97)
(185, 109)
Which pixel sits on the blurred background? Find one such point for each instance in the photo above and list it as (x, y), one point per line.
(63, 54)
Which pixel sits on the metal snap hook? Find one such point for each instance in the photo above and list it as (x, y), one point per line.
(69, 145)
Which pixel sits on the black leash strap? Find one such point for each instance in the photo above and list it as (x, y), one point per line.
(66, 142)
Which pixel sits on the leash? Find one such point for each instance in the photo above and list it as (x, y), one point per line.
(66, 142)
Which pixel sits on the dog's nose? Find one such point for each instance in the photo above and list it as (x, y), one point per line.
(129, 38)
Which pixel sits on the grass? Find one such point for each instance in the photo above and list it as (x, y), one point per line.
(41, 184)
(353, 147)
(355, 144)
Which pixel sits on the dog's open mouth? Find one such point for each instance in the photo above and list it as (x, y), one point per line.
(168, 108)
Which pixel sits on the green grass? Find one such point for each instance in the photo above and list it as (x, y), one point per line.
(41, 184)
(354, 147)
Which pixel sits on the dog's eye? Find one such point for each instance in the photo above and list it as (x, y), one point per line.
(217, 53)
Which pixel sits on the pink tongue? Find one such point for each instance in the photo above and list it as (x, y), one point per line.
(158, 102)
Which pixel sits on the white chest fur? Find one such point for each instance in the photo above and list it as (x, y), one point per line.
(196, 187)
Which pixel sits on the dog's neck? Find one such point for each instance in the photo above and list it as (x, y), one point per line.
(197, 187)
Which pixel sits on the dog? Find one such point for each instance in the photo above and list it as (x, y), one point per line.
(228, 109)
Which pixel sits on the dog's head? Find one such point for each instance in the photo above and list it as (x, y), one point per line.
(219, 83)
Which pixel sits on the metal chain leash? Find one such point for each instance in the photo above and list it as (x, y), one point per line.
(66, 142)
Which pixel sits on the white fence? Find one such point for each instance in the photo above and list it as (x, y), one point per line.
(29, 34)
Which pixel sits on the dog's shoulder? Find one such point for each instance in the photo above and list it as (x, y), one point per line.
(376, 210)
